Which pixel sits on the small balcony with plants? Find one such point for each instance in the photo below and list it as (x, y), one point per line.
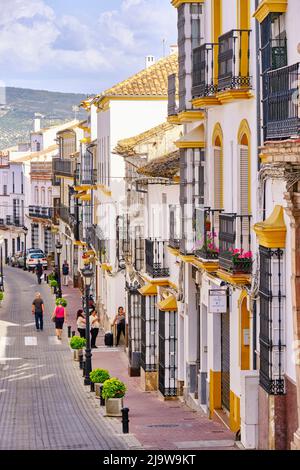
(234, 79)
(235, 255)
(207, 223)
(156, 265)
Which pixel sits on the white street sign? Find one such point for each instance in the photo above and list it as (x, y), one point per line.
(217, 301)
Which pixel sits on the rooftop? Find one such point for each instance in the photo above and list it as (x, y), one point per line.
(166, 166)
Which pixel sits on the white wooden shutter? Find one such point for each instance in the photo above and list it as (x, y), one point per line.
(244, 181)
(217, 178)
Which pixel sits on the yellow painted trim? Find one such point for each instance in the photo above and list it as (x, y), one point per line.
(187, 258)
(228, 96)
(178, 3)
(85, 197)
(209, 266)
(79, 243)
(243, 22)
(159, 282)
(218, 133)
(244, 129)
(272, 232)
(79, 195)
(234, 279)
(173, 251)
(106, 267)
(216, 28)
(270, 6)
(168, 305)
(244, 324)
(176, 179)
(104, 190)
(190, 116)
(86, 140)
(173, 120)
(206, 102)
(85, 187)
(215, 402)
(148, 289)
(190, 145)
(235, 414)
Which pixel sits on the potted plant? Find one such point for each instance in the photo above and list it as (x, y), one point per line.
(98, 377)
(53, 285)
(113, 392)
(61, 301)
(77, 344)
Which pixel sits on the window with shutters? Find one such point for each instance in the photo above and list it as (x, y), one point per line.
(244, 180)
(218, 178)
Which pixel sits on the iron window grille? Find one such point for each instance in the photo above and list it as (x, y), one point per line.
(234, 60)
(204, 73)
(235, 243)
(172, 95)
(134, 321)
(155, 258)
(272, 321)
(149, 333)
(206, 234)
(174, 240)
(167, 371)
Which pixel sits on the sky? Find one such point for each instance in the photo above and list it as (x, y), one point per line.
(82, 46)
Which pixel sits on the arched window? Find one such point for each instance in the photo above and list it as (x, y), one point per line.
(36, 195)
(244, 183)
(43, 197)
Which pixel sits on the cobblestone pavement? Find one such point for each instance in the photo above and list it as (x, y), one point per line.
(43, 402)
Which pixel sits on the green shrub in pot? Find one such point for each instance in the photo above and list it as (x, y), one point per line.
(53, 283)
(99, 376)
(77, 343)
(61, 301)
(113, 388)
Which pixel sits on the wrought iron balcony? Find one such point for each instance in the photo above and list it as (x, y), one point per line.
(204, 71)
(283, 107)
(234, 64)
(69, 219)
(207, 228)
(174, 240)
(64, 167)
(235, 254)
(95, 239)
(172, 95)
(40, 212)
(155, 258)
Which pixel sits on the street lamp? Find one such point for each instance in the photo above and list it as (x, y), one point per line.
(58, 247)
(87, 274)
(25, 230)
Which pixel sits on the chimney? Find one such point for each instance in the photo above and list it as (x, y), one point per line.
(173, 49)
(150, 60)
(37, 122)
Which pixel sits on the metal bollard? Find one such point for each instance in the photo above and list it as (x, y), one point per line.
(102, 400)
(83, 369)
(125, 420)
(81, 361)
(69, 331)
(73, 333)
(92, 386)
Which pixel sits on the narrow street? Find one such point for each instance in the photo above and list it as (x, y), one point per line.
(42, 401)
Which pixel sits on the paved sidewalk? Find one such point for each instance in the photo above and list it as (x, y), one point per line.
(157, 424)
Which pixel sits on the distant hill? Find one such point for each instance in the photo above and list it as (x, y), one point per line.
(17, 114)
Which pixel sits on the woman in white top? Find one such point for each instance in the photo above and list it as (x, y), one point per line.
(95, 325)
(81, 323)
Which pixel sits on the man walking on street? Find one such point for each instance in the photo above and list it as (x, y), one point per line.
(39, 272)
(38, 311)
(65, 271)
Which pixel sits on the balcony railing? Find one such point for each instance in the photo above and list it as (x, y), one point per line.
(95, 239)
(235, 254)
(172, 95)
(234, 64)
(41, 212)
(68, 218)
(174, 240)
(204, 71)
(283, 105)
(207, 228)
(155, 258)
(64, 167)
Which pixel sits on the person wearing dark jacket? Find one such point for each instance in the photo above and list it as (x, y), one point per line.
(39, 272)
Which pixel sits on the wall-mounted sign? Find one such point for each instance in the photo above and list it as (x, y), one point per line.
(217, 301)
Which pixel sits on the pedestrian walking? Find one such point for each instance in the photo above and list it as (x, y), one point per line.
(81, 323)
(121, 322)
(58, 317)
(39, 272)
(65, 272)
(95, 325)
(38, 311)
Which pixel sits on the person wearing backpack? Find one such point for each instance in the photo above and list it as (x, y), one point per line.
(65, 272)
